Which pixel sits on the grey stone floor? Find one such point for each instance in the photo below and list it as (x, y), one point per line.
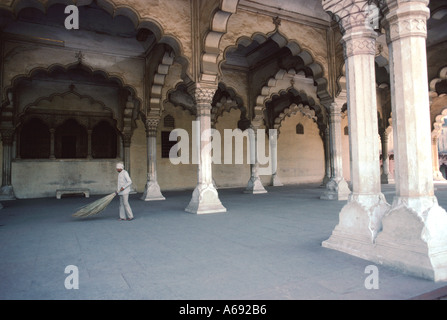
(266, 246)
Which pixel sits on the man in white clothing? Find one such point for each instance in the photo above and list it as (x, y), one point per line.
(124, 183)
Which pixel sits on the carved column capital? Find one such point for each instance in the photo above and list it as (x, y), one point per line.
(406, 19)
(151, 126)
(127, 138)
(203, 97)
(7, 136)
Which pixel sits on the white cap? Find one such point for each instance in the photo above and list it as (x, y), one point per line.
(119, 166)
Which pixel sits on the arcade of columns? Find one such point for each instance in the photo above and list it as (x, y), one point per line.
(410, 233)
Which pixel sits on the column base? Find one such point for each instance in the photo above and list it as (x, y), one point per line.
(255, 186)
(336, 189)
(325, 181)
(437, 176)
(360, 221)
(152, 192)
(205, 200)
(276, 182)
(7, 193)
(414, 239)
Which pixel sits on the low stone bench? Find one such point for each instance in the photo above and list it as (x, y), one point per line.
(60, 192)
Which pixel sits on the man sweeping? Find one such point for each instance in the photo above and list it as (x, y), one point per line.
(124, 183)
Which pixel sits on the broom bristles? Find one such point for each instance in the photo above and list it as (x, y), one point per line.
(94, 207)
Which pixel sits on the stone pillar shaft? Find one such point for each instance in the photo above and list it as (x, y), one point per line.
(337, 188)
(437, 174)
(52, 131)
(360, 220)
(360, 71)
(273, 139)
(6, 190)
(205, 198)
(413, 236)
(254, 185)
(386, 177)
(152, 190)
(410, 104)
(89, 144)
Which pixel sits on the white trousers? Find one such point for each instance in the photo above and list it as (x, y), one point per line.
(125, 207)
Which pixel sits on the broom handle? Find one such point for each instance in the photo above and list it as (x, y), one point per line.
(116, 192)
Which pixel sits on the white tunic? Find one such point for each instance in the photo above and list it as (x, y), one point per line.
(124, 181)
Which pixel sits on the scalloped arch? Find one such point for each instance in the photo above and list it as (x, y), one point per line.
(439, 121)
(272, 88)
(112, 9)
(238, 104)
(292, 110)
(51, 97)
(211, 55)
(67, 68)
(312, 68)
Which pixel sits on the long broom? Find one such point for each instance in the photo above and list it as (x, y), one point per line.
(95, 207)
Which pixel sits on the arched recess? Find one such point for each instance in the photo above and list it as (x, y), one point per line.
(286, 83)
(130, 103)
(212, 53)
(108, 6)
(305, 110)
(144, 28)
(225, 99)
(290, 56)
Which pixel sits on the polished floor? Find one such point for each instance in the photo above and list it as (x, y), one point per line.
(267, 246)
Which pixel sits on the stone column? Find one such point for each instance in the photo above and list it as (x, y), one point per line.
(337, 188)
(127, 138)
(414, 230)
(6, 190)
(89, 144)
(437, 174)
(327, 157)
(273, 140)
(386, 176)
(17, 151)
(52, 142)
(360, 219)
(205, 198)
(152, 191)
(254, 185)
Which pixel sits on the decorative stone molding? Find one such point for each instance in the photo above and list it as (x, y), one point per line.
(151, 126)
(361, 46)
(349, 13)
(211, 51)
(293, 110)
(7, 136)
(127, 138)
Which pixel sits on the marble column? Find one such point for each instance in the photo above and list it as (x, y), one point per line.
(385, 178)
(273, 140)
(152, 191)
(337, 188)
(205, 198)
(89, 144)
(414, 232)
(6, 190)
(360, 219)
(437, 174)
(52, 142)
(327, 156)
(127, 138)
(254, 185)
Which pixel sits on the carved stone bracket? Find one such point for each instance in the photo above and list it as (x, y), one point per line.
(151, 126)
(7, 136)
